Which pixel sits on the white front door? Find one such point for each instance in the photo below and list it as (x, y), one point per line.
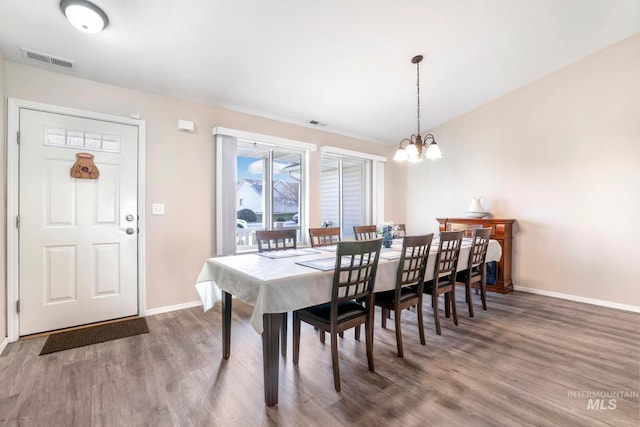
(78, 237)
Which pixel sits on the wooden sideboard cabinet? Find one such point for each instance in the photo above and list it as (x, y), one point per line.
(501, 230)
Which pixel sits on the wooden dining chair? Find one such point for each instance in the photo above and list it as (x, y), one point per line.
(276, 240)
(476, 271)
(365, 232)
(444, 275)
(409, 284)
(351, 302)
(324, 236)
(401, 230)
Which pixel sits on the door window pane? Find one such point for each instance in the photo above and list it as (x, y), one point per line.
(250, 200)
(286, 190)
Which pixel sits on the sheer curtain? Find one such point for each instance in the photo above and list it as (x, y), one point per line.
(225, 197)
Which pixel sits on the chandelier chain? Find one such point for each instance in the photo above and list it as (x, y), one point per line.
(418, 84)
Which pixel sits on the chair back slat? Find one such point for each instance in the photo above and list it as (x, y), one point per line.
(479, 246)
(413, 260)
(448, 253)
(355, 272)
(276, 240)
(365, 232)
(324, 236)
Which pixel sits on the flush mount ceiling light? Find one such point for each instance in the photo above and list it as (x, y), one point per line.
(412, 151)
(84, 15)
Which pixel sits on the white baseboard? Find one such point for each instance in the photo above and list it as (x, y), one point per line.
(170, 308)
(593, 301)
(3, 344)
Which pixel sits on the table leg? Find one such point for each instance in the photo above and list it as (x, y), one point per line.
(226, 325)
(283, 338)
(271, 356)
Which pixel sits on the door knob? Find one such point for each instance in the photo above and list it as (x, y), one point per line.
(130, 230)
(129, 217)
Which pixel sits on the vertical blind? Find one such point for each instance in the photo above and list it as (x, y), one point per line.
(344, 202)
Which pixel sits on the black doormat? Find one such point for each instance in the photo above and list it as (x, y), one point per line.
(94, 334)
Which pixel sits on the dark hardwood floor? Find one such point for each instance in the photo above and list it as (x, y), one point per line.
(529, 360)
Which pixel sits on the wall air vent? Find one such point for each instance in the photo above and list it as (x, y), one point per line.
(47, 59)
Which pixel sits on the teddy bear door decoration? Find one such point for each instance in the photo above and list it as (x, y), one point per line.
(84, 168)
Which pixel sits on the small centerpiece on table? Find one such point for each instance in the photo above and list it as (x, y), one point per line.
(389, 231)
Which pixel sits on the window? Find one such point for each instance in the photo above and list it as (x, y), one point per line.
(67, 138)
(260, 184)
(346, 193)
(268, 189)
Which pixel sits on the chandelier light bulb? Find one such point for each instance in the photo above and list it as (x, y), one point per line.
(401, 155)
(411, 150)
(415, 159)
(433, 151)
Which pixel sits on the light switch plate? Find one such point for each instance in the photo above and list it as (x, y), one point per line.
(157, 209)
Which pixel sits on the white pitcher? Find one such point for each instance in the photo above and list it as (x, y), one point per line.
(477, 204)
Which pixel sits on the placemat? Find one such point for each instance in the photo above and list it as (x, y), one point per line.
(325, 264)
(288, 253)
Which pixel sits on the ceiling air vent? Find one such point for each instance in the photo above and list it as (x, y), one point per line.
(47, 59)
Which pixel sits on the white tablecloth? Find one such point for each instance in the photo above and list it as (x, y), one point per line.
(282, 285)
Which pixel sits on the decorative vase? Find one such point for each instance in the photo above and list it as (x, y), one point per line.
(387, 237)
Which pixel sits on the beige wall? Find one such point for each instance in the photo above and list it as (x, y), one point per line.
(3, 210)
(562, 157)
(180, 168)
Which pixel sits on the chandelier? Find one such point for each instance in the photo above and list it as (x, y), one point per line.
(411, 149)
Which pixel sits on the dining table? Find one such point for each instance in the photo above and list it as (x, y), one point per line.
(283, 281)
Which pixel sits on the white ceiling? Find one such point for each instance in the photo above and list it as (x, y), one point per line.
(343, 62)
